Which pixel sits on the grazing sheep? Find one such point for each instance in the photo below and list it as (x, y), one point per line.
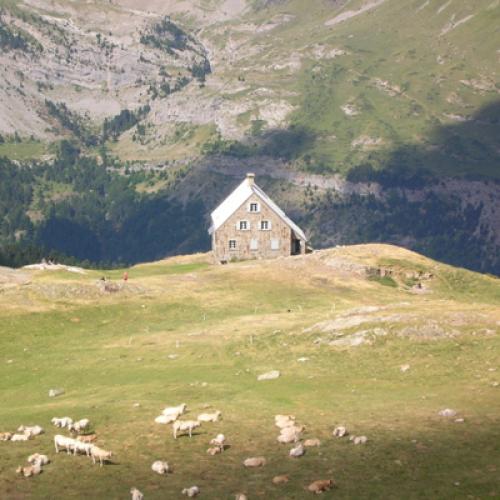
(191, 492)
(312, 442)
(320, 486)
(298, 451)
(5, 436)
(29, 470)
(136, 494)
(165, 419)
(100, 454)
(240, 496)
(340, 431)
(20, 437)
(185, 426)
(62, 422)
(254, 462)
(290, 434)
(160, 467)
(281, 479)
(37, 459)
(34, 430)
(79, 426)
(360, 439)
(214, 451)
(219, 441)
(87, 438)
(209, 417)
(80, 447)
(175, 410)
(283, 421)
(63, 443)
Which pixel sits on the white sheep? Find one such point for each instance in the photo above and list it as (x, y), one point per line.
(209, 417)
(36, 458)
(29, 470)
(20, 437)
(214, 451)
(312, 442)
(63, 443)
(160, 467)
(136, 494)
(282, 421)
(191, 492)
(165, 419)
(5, 436)
(80, 425)
(219, 441)
(33, 430)
(81, 447)
(298, 451)
(185, 426)
(240, 496)
(290, 434)
(100, 454)
(175, 410)
(62, 422)
(254, 462)
(360, 440)
(340, 431)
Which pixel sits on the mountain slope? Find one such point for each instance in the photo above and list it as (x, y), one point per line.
(373, 337)
(366, 120)
(370, 81)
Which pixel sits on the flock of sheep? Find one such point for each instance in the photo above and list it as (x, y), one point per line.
(82, 443)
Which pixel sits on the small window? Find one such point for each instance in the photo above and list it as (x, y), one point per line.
(265, 225)
(254, 244)
(232, 244)
(243, 225)
(254, 207)
(275, 244)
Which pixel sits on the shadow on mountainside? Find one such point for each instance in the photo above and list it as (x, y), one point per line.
(469, 149)
(420, 207)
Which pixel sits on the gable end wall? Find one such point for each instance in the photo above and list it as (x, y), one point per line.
(279, 230)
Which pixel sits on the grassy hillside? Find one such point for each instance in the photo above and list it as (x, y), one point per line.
(182, 330)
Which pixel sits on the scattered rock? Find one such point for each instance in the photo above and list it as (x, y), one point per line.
(459, 420)
(302, 360)
(273, 374)
(53, 393)
(404, 368)
(172, 356)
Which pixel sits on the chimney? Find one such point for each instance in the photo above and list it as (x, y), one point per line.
(251, 179)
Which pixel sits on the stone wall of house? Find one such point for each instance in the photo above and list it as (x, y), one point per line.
(274, 242)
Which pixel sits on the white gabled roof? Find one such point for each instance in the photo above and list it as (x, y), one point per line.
(239, 196)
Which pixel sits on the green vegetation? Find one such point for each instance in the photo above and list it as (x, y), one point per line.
(12, 38)
(115, 126)
(184, 331)
(167, 36)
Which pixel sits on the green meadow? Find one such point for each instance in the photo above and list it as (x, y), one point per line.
(184, 330)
